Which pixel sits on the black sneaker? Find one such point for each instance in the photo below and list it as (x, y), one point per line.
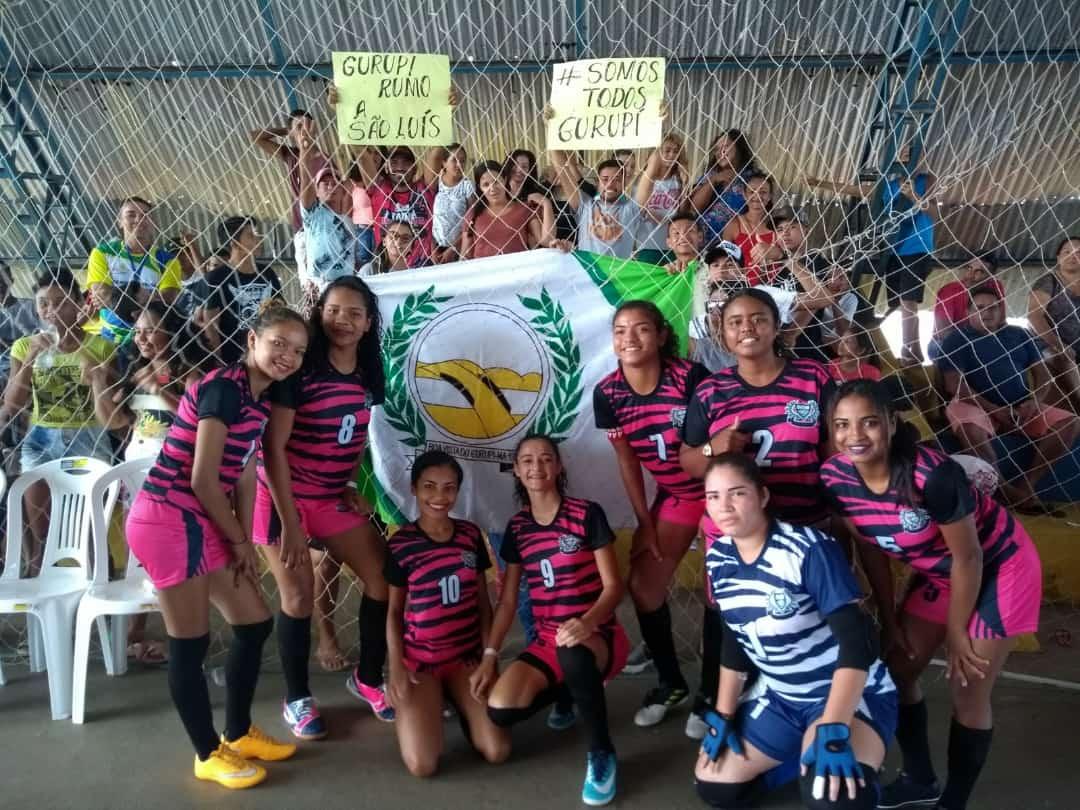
(906, 792)
(657, 702)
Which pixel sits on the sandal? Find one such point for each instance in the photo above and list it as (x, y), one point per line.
(148, 653)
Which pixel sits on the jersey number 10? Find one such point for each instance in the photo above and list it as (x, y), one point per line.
(451, 589)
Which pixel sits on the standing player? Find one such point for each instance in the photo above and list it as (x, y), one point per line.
(768, 407)
(191, 523)
(791, 610)
(440, 618)
(307, 491)
(977, 584)
(642, 405)
(565, 549)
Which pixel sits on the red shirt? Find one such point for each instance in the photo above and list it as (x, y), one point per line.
(865, 371)
(413, 204)
(507, 233)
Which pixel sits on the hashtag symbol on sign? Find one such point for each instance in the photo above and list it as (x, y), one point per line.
(568, 76)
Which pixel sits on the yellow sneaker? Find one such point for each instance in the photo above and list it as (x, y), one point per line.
(258, 745)
(229, 770)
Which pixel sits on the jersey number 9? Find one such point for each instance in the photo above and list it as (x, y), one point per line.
(547, 571)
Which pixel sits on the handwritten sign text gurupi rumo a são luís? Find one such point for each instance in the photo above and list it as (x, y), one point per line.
(393, 98)
(606, 104)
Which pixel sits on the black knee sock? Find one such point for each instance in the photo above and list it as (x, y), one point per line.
(712, 638)
(732, 795)
(294, 647)
(914, 741)
(564, 701)
(656, 633)
(372, 641)
(968, 749)
(586, 684)
(504, 718)
(187, 685)
(242, 673)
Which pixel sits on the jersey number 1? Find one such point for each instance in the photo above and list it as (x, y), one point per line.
(451, 589)
(661, 445)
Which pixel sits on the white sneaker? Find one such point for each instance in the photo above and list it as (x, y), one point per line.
(696, 727)
(639, 660)
(658, 701)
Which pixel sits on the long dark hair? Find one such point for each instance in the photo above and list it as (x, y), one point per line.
(369, 364)
(186, 352)
(761, 297)
(904, 444)
(561, 481)
(531, 184)
(482, 168)
(669, 349)
(743, 163)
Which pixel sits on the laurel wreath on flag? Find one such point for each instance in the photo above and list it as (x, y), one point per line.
(409, 317)
(551, 323)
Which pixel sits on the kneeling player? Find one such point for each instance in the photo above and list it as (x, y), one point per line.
(564, 547)
(439, 617)
(790, 609)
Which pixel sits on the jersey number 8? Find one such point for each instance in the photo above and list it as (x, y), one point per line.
(348, 426)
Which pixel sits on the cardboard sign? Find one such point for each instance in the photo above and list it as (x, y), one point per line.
(606, 104)
(393, 98)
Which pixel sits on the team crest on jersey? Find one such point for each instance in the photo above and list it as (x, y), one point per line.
(468, 559)
(781, 604)
(569, 544)
(678, 417)
(914, 520)
(802, 413)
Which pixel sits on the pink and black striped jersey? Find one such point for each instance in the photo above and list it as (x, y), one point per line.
(912, 533)
(559, 560)
(784, 421)
(329, 430)
(223, 394)
(442, 582)
(652, 423)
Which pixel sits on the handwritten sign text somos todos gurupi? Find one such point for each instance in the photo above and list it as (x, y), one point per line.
(606, 104)
(393, 98)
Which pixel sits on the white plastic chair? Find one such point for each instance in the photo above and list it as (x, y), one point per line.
(120, 598)
(50, 599)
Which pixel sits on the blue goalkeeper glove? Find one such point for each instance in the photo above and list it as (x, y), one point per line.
(831, 755)
(721, 734)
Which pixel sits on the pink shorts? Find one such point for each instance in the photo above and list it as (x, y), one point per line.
(319, 518)
(174, 544)
(541, 654)
(673, 509)
(444, 670)
(1009, 597)
(1044, 419)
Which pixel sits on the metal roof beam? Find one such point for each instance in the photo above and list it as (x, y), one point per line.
(277, 50)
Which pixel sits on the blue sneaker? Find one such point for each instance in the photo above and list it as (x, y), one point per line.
(303, 719)
(599, 786)
(561, 718)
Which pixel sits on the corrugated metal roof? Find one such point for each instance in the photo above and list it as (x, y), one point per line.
(1003, 133)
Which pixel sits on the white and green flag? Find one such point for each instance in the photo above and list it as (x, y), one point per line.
(479, 354)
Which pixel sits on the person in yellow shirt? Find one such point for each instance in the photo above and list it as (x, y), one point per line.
(132, 261)
(49, 370)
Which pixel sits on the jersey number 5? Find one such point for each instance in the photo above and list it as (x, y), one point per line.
(451, 589)
(348, 427)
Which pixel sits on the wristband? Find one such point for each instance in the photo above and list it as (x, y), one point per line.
(491, 651)
(355, 487)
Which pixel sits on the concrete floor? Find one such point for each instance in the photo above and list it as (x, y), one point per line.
(132, 753)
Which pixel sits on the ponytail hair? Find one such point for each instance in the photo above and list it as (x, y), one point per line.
(904, 444)
(669, 349)
(273, 311)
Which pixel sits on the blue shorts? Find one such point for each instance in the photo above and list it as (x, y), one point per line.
(776, 725)
(45, 444)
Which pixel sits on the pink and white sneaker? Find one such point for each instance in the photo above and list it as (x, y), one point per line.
(374, 696)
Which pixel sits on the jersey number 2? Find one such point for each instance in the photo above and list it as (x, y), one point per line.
(348, 426)
(763, 439)
(451, 589)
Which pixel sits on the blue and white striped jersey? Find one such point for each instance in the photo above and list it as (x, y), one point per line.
(777, 606)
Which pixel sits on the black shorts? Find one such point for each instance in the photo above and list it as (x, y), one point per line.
(905, 277)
